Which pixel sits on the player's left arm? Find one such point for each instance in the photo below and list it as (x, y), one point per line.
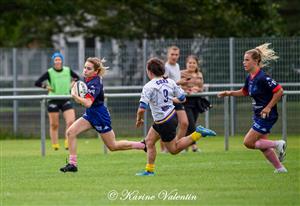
(140, 114)
(86, 102)
(179, 95)
(83, 101)
(277, 94)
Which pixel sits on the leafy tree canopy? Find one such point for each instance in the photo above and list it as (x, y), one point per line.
(25, 22)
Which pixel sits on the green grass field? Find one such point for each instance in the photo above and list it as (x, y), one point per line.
(212, 177)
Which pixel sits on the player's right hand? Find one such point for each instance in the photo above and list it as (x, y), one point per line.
(139, 123)
(223, 94)
(73, 91)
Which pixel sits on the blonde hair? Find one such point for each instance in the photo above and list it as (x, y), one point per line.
(263, 54)
(98, 65)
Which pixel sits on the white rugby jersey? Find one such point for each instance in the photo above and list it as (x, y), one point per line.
(172, 71)
(158, 93)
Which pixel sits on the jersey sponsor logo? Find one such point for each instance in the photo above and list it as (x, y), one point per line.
(161, 81)
(252, 89)
(256, 125)
(67, 103)
(165, 108)
(92, 90)
(100, 128)
(271, 82)
(249, 90)
(52, 105)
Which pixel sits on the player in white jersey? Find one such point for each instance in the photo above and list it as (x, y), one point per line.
(172, 71)
(160, 93)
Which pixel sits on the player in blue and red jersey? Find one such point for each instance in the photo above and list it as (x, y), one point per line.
(96, 115)
(265, 93)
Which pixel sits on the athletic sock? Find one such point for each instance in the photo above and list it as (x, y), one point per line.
(138, 145)
(55, 146)
(73, 160)
(196, 136)
(265, 144)
(271, 156)
(150, 167)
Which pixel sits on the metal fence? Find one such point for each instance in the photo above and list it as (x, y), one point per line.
(221, 63)
(14, 113)
(221, 59)
(26, 118)
(124, 121)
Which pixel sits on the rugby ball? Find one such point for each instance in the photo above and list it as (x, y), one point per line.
(81, 88)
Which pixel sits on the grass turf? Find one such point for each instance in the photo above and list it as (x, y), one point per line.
(212, 177)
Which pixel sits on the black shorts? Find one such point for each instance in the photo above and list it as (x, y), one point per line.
(56, 105)
(178, 106)
(167, 130)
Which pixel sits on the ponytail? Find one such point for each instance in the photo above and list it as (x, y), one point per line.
(263, 54)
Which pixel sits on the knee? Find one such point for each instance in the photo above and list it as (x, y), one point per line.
(54, 125)
(69, 123)
(70, 133)
(149, 143)
(249, 144)
(173, 152)
(112, 147)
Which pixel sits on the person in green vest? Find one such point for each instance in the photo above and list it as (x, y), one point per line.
(58, 80)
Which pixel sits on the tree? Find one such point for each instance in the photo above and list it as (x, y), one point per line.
(187, 19)
(25, 21)
(290, 12)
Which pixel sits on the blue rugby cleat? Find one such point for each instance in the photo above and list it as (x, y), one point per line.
(205, 132)
(145, 173)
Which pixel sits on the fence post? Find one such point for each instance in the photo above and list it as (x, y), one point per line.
(15, 80)
(144, 82)
(284, 119)
(104, 146)
(231, 73)
(226, 122)
(43, 127)
(98, 46)
(81, 52)
(206, 114)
